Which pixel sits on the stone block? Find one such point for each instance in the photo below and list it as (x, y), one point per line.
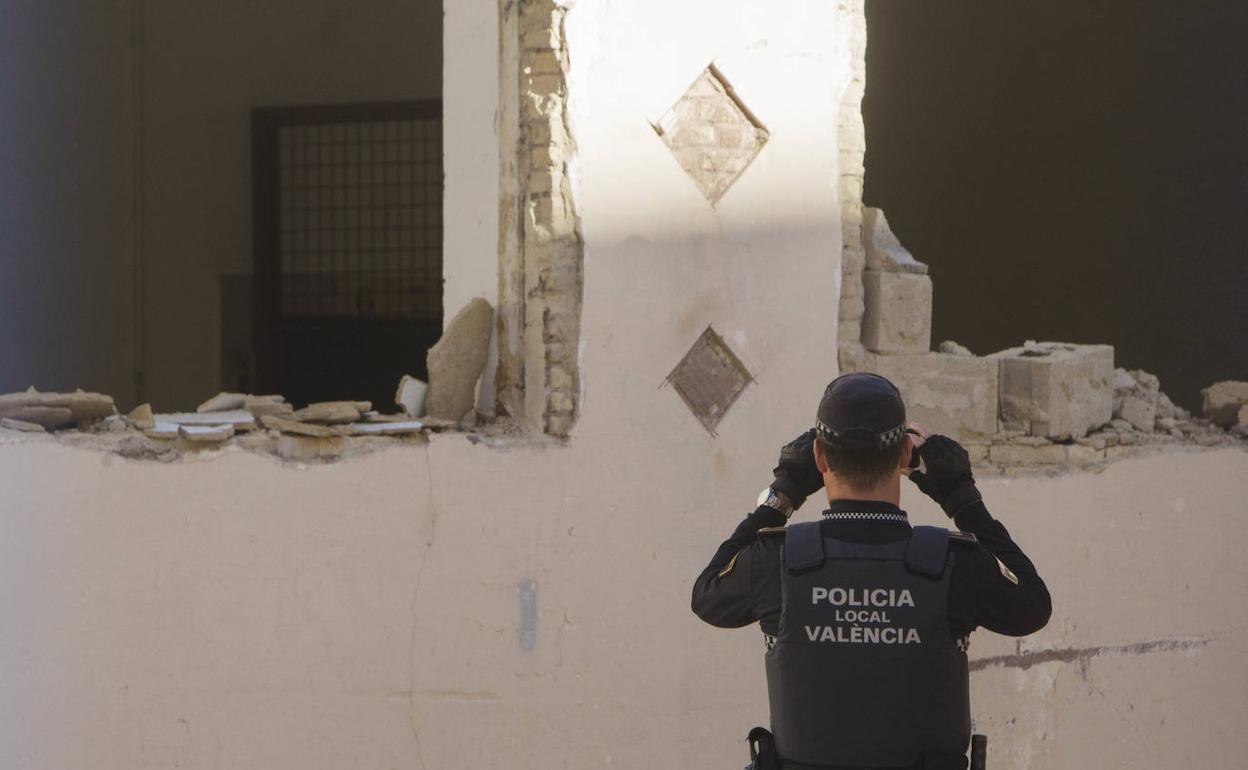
(953, 395)
(457, 360)
(1222, 400)
(898, 312)
(1056, 389)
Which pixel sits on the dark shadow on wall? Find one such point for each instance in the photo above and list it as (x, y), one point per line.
(1071, 170)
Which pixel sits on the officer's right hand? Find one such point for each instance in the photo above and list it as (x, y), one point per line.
(797, 475)
(947, 479)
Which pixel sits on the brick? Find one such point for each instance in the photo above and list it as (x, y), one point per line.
(898, 312)
(1056, 389)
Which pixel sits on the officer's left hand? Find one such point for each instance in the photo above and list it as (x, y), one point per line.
(797, 476)
(948, 479)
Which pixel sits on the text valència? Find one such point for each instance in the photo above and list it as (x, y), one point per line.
(862, 605)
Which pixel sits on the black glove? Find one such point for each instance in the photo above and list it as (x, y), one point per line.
(948, 479)
(797, 476)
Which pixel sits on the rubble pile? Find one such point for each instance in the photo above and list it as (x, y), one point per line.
(1143, 418)
(323, 430)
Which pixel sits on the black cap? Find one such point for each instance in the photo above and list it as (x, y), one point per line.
(861, 410)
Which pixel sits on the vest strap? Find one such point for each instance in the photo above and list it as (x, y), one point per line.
(803, 547)
(926, 552)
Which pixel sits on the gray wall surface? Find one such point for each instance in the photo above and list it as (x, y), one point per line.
(82, 145)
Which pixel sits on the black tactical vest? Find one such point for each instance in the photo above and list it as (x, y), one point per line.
(864, 672)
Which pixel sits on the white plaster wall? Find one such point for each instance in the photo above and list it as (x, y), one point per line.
(661, 263)
(237, 612)
(470, 149)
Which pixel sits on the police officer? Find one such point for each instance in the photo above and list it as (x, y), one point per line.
(865, 617)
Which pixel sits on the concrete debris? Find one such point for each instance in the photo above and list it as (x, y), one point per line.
(44, 416)
(951, 348)
(141, 417)
(884, 251)
(224, 402)
(456, 361)
(1243, 416)
(333, 412)
(1056, 389)
(21, 425)
(262, 405)
(411, 395)
(162, 430)
(384, 428)
(56, 410)
(378, 417)
(1222, 402)
(1140, 412)
(274, 422)
(206, 433)
(1136, 397)
(239, 419)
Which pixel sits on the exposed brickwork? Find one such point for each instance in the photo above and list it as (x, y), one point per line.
(541, 250)
(851, 140)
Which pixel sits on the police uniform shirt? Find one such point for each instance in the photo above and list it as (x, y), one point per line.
(994, 587)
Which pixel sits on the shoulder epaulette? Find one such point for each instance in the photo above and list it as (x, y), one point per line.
(773, 530)
(963, 537)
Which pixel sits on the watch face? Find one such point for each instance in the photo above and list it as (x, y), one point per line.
(764, 496)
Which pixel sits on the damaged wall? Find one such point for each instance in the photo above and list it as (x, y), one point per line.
(239, 612)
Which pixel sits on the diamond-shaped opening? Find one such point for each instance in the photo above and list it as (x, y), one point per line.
(709, 379)
(712, 134)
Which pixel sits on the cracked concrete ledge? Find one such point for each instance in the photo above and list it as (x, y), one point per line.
(300, 450)
(1004, 456)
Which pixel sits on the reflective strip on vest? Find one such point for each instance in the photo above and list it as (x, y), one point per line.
(864, 672)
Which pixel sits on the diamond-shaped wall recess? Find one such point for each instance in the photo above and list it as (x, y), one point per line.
(709, 378)
(713, 136)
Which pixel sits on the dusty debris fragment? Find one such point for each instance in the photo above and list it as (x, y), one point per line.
(239, 419)
(299, 428)
(949, 347)
(378, 417)
(262, 405)
(44, 416)
(411, 395)
(1136, 395)
(206, 433)
(884, 251)
(162, 430)
(141, 416)
(383, 428)
(332, 411)
(222, 402)
(1222, 402)
(21, 425)
(455, 362)
(55, 410)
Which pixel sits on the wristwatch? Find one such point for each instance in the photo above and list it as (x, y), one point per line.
(769, 498)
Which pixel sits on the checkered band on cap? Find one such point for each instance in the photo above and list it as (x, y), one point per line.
(882, 440)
